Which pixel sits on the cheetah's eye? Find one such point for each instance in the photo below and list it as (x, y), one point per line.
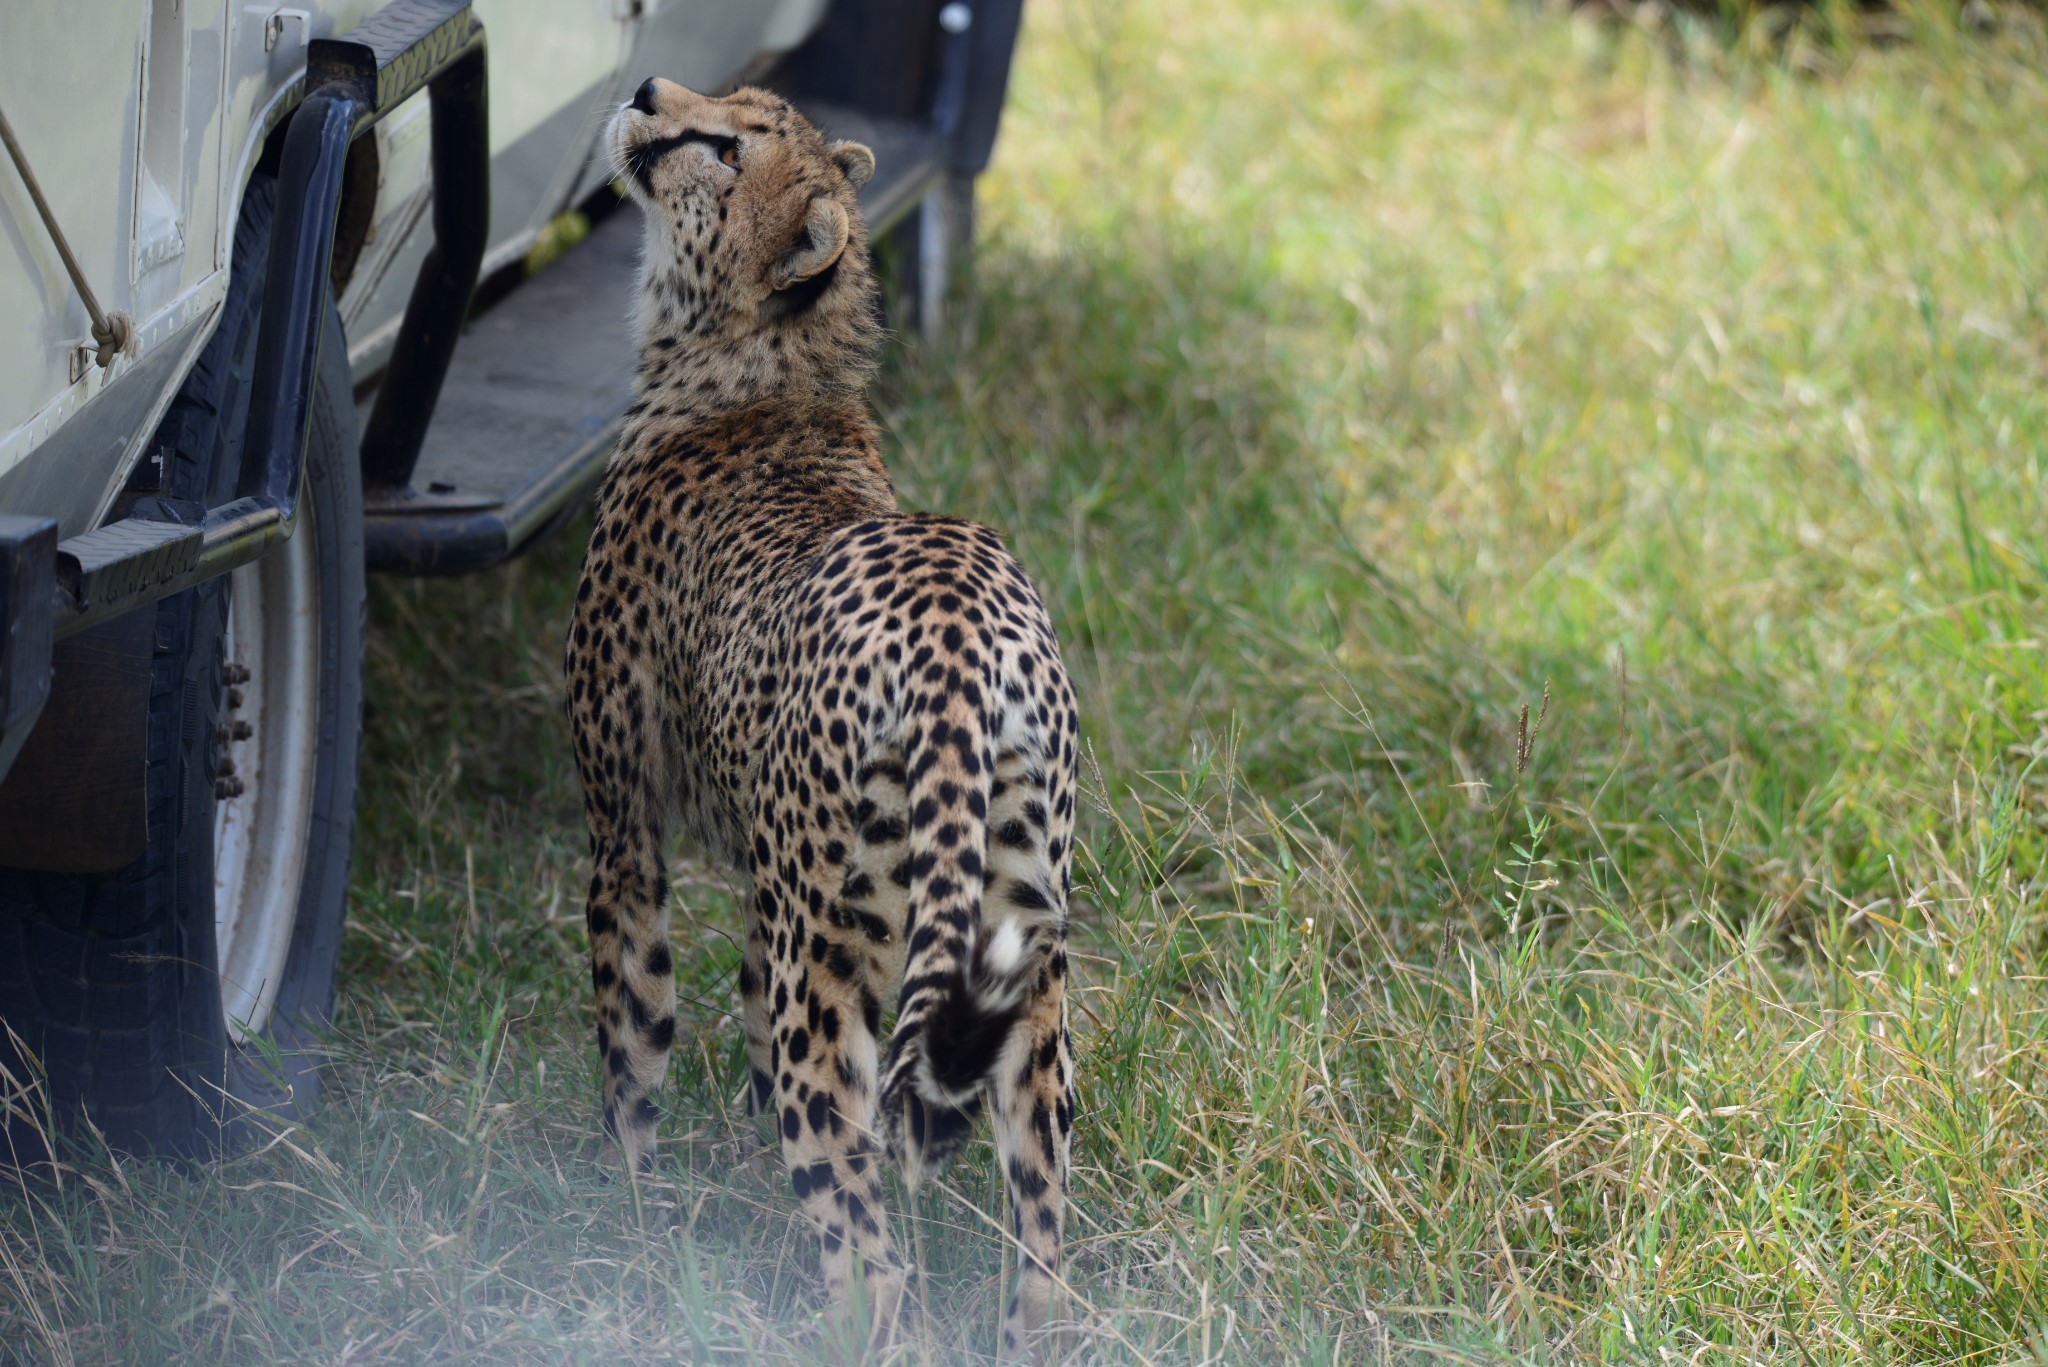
(731, 155)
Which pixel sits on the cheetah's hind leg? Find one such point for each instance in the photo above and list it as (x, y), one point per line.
(821, 1006)
(972, 973)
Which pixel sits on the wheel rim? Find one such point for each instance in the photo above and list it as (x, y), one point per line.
(270, 742)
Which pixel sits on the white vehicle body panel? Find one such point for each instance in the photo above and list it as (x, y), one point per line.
(143, 120)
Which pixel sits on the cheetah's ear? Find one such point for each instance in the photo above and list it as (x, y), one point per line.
(855, 160)
(818, 244)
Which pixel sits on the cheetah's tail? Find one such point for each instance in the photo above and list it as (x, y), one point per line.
(965, 982)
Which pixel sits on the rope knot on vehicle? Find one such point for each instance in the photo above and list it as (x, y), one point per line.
(113, 335)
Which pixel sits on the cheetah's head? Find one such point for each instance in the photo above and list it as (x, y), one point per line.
(751, 212)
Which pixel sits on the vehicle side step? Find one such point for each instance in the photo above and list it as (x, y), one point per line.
(909, 160)
(539, 384)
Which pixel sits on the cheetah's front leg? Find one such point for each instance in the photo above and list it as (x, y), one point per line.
(820, 1000)
(632, 970)
(631, 965)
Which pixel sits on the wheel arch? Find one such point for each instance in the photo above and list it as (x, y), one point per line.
(76, 798)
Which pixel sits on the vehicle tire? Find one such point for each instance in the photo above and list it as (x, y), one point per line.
(119, 986)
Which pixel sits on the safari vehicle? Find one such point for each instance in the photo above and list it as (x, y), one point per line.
(243, 361)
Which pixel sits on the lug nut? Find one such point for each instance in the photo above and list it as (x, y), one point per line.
(229, 787)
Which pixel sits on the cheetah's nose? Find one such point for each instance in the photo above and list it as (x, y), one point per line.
(643, 98)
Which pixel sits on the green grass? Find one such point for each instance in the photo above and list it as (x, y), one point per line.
(1353, 376)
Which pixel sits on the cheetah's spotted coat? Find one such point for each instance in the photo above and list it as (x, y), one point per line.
(862, 711)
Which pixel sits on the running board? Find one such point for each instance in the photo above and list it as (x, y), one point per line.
(539, 384)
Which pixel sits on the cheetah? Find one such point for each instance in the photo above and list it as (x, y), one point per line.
(862, 711)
